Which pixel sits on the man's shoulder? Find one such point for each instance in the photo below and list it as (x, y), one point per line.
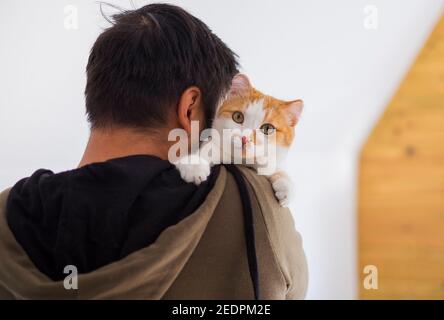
(278, 220)
(3, 198)
(261, 186)
(286, 242)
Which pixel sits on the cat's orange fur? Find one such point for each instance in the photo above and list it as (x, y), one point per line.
(275, 113)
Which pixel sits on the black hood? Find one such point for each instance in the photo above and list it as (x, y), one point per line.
(99, 213)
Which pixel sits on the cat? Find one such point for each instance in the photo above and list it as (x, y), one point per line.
(256, 121)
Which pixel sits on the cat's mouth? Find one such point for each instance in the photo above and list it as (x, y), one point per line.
(241, 142)
(246, 148)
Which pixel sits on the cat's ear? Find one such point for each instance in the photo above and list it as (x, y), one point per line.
(294, 111)
(240, 86)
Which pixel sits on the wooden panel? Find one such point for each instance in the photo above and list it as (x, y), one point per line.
(401, 186)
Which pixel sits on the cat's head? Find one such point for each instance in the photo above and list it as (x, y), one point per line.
(257, 118)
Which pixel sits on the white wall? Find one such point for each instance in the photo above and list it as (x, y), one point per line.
(315, 50)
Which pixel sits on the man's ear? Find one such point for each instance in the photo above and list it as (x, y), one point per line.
(240, 86)
(294, 111)
(190, 108)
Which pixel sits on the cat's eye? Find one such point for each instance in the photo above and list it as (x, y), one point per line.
(238, 117)
(267, 128)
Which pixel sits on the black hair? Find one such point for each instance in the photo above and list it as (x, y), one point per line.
(139, 67)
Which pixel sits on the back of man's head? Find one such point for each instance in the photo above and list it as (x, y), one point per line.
(139, 67)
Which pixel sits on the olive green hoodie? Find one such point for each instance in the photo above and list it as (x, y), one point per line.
(201, 257)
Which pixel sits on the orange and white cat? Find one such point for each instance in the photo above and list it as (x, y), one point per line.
(258, 130)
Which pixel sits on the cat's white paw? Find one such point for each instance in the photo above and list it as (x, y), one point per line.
(193, 169)
(283, 189)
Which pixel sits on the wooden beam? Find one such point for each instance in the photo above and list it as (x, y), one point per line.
(401, 186)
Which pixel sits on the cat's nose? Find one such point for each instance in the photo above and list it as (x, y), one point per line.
(244, 140)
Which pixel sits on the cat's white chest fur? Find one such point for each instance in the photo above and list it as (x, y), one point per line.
(195, 168)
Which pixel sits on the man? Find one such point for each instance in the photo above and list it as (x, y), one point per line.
(124, 224)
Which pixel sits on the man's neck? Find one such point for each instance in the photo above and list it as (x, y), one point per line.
(120, 142)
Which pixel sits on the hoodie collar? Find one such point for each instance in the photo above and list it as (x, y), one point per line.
(100, 213)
